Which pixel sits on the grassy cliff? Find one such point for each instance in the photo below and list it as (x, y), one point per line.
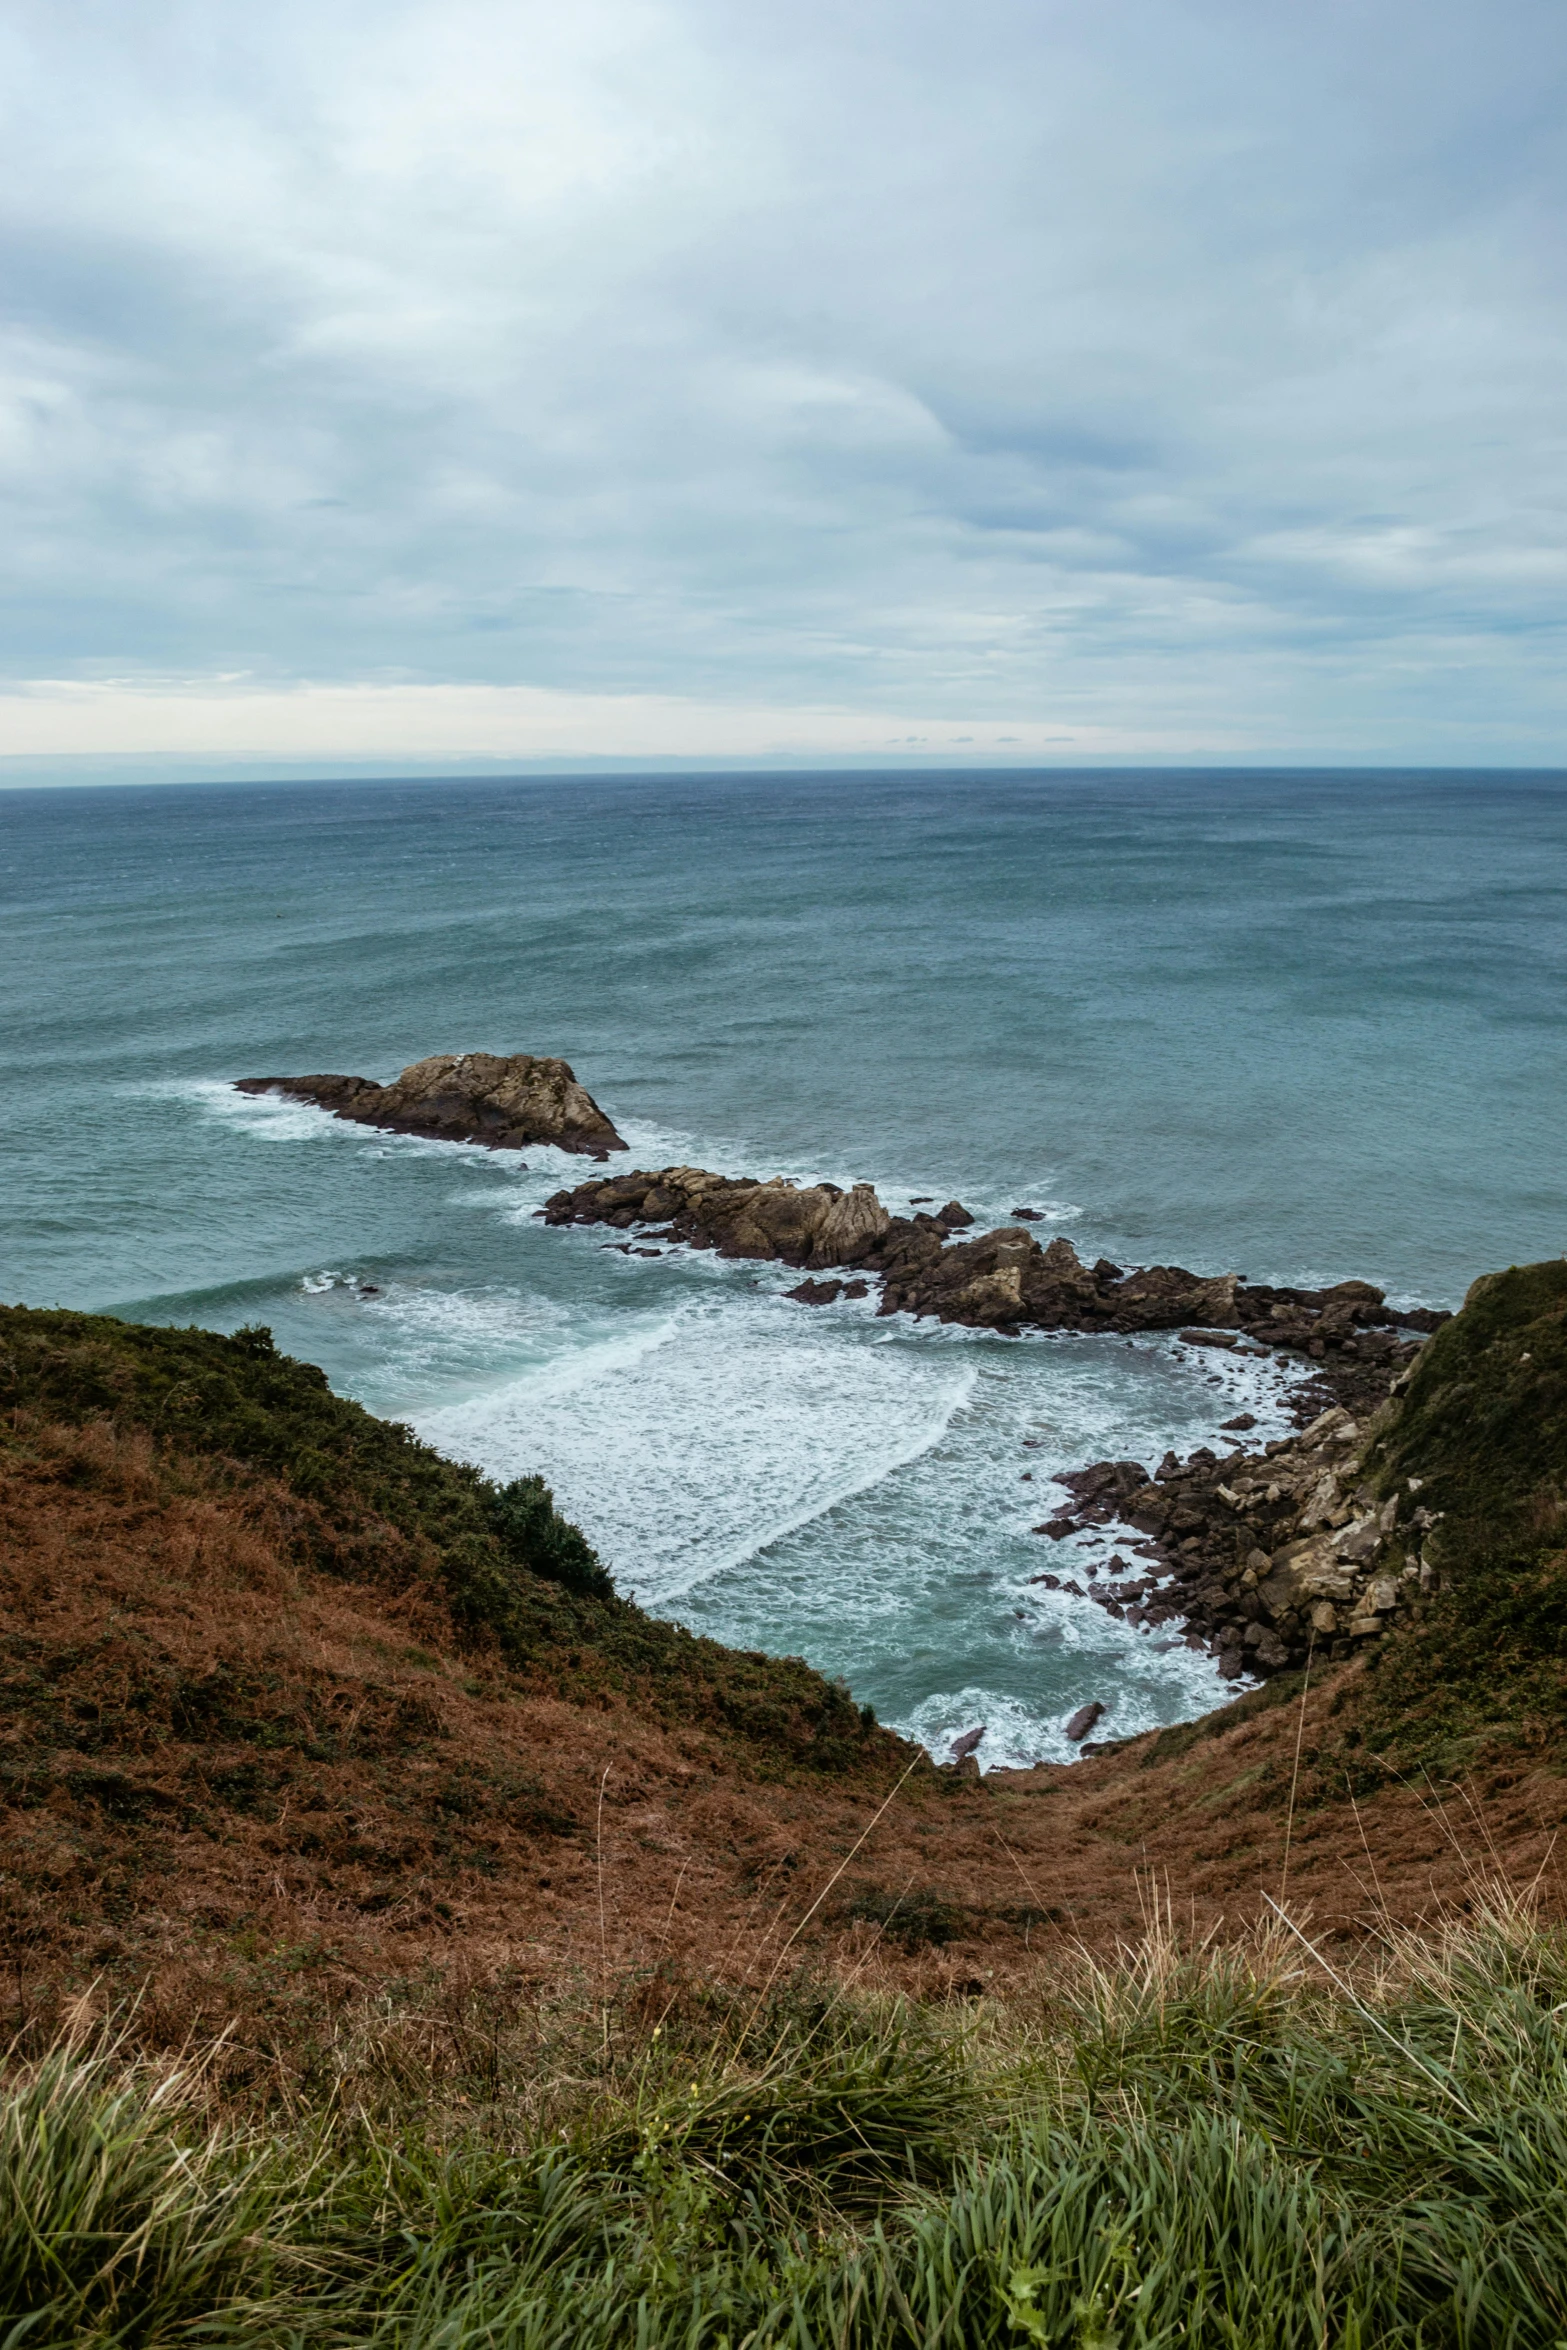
(1478, 1443)
(315, 1741)
(362, 1499)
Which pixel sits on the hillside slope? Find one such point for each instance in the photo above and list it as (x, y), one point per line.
(290, 1707)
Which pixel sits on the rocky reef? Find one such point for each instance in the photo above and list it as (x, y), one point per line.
(1002, 1280)
(503, 1100)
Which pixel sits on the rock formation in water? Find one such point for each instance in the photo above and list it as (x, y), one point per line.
(1322, 1544)
(1002, 1280)
(504, 1101)
(811, 1225)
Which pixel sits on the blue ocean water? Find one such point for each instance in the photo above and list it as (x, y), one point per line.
(1296, 1026)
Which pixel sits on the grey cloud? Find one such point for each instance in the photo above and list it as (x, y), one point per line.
(1040, 360)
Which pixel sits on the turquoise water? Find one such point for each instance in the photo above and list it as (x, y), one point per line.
(1298, 1027)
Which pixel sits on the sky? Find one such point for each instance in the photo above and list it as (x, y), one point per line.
(452, 382)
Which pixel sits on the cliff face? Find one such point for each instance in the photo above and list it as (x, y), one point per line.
(504, 1102)
(1441, 1518)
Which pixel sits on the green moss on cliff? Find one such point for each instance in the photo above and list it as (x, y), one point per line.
(1483, 1428)
(1484, 1420)
(375, 1503)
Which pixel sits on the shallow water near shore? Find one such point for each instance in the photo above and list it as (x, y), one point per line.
(1297, 1027)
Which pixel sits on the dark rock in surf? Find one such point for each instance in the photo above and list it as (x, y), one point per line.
(1080, 1723)
(1003, 1280)
(502, 1101)
(815, 1225)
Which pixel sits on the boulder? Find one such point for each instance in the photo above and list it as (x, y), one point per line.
(815, 1225)
(1080, 1723)
(503, 1101)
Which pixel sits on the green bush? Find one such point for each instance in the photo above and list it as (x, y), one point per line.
(532, 1535)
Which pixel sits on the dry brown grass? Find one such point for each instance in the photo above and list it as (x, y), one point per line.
(254, 1796)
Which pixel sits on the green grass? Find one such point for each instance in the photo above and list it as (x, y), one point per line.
(1224, 2148)
(372, 1502)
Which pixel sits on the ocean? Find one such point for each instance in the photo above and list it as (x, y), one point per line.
(1297, 1026)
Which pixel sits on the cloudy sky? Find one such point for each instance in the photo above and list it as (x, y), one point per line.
(444, 381)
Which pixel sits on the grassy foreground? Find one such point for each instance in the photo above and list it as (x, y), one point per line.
(1226, 2147)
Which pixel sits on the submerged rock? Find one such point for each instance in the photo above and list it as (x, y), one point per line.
(504, 1101)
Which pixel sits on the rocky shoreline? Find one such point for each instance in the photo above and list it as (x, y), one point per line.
(1262, 1558)
(501, 1101)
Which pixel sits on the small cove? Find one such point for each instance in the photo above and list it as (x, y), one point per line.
(1299, 1028)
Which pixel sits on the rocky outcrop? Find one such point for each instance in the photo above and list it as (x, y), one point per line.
(811, 1225)
(1262, 1557)
(1001, 1280)
(504, 1101)
(825, 1293)
(1007, 1280)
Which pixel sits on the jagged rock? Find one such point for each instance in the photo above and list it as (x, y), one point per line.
(816, 1293)
(1080, 1723)
(1001, 1280)
(816, 1225)
(504, 1101)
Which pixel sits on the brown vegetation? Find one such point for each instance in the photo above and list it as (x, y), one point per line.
(248, 1789)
